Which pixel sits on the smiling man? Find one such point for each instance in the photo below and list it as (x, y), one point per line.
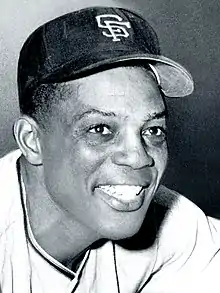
(76, 211)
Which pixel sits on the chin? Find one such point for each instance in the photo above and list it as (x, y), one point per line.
(123, 235)
(124, 228)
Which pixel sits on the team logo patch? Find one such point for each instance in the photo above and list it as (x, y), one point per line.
(114, 26)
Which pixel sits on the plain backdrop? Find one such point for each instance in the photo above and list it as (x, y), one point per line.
(189, 33)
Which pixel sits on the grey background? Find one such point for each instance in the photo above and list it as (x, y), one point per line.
(189, 33)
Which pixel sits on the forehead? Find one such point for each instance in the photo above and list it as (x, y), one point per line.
(123, 90)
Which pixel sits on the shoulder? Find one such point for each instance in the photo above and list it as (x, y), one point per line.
(178, 207)
(188, 246)
(185, 231)
(8, 161)
(9, 190)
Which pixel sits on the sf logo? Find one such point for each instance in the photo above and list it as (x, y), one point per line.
(114, 25)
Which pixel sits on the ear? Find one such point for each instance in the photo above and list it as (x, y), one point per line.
(27, 136)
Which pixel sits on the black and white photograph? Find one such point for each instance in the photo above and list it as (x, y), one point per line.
(109, 146)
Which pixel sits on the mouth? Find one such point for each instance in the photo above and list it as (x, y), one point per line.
(122, 197)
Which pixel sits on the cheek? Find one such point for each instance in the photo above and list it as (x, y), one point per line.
(88, 159)
(160, 156)
(70, 174)
(70, 166)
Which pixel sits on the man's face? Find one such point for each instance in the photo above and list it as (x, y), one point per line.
(106, 151)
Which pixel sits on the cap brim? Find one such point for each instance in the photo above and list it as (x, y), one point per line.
(173, 79)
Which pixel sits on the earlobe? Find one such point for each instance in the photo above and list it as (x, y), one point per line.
(26, 132)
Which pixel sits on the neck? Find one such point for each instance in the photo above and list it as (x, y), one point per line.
(60, 236)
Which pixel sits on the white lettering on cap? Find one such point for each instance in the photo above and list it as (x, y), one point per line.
(115, 25)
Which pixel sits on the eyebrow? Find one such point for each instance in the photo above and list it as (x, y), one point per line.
(157, 115)
(94, 111)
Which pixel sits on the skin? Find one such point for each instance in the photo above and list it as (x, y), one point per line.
(112, 132)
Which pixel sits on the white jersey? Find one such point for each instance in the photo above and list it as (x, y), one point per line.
(175, 251)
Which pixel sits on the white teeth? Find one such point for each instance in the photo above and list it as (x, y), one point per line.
(125, 192)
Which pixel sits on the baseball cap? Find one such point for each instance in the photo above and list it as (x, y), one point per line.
(91, 40)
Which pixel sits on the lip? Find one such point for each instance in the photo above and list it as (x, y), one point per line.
(119, 204)
(145, 184)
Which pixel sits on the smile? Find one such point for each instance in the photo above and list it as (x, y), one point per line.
(122, 197)
(122, 192)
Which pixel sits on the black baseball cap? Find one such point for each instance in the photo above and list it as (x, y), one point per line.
(91, 40)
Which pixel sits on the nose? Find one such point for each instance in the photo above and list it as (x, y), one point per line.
(132, 152)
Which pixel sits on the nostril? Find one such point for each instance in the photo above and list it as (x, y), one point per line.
(134, 158)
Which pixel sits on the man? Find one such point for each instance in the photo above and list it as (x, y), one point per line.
(76, 212)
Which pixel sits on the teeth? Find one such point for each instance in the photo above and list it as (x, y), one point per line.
(125, 192)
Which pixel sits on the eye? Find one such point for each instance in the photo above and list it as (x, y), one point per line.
(155, 134)
(100, 129)
(155, 131)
